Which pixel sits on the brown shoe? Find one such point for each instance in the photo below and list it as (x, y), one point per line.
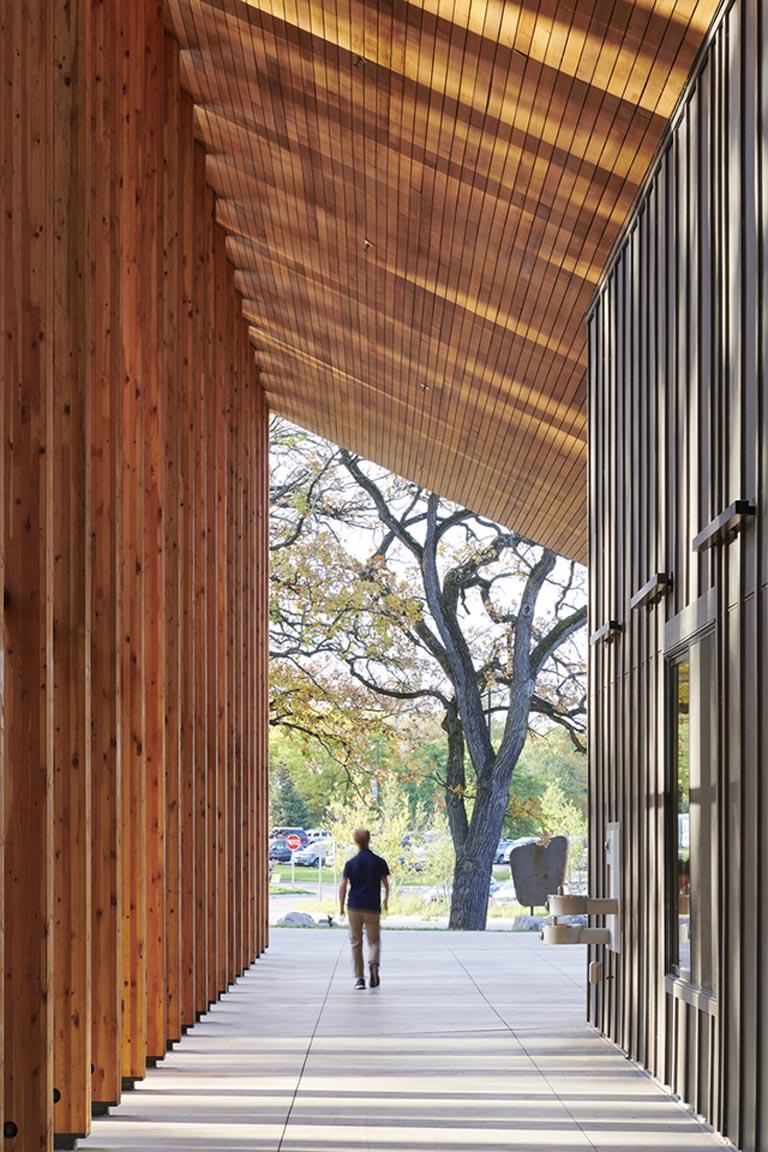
(374, 981)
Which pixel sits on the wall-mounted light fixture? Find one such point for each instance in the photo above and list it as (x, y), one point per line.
(607, 632)
(725, 527)
(652, 591)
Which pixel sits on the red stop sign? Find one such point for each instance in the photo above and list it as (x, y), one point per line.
(293, 841)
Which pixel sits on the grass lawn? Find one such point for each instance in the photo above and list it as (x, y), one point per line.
(281, 874)
(402, 902)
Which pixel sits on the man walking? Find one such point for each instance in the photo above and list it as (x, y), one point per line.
(365, 874)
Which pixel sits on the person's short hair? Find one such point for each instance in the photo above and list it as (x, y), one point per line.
(362, 837)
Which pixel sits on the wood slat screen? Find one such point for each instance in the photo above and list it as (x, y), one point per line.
(420, 199)
(133, 556)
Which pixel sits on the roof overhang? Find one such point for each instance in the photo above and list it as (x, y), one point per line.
(420, 199)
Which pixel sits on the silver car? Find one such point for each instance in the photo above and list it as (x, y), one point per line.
(316, 851)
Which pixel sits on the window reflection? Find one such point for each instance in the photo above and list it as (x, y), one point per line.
(683, 789)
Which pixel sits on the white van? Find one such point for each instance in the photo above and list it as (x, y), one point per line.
(318, 834)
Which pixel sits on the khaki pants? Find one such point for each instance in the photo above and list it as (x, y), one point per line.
(359, 918)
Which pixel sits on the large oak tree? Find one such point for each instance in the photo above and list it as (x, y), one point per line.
(421, 602)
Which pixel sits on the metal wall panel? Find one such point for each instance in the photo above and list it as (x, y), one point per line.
(677, 341)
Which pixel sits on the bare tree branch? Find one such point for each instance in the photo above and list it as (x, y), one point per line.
(385, 515)
(555, 637)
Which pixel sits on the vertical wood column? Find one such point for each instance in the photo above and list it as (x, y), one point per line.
(154, 530)
(130, 372)
(243, 872)
(252, 904)
(258, 909)
(220, 392)
(246, 955)
(5, 250)
(234, 638)
(171, 325)
(71, 587)
(105, 603)
(261, 651)
(132, 537)
(213, 591)
(188, 546)
(200, 663)
(28, 655)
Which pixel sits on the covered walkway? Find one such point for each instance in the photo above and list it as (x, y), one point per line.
(472, 1042)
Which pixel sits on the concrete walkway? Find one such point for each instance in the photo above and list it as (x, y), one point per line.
(472, 1042)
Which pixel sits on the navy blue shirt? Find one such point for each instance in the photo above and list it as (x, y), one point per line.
(364, 873)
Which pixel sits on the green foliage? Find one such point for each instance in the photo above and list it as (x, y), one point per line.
(390, 760)
(559, 816)
(388, 822)
(546, 759)
(315, 774)
(440, 856)
(285, 804)
(423, 770)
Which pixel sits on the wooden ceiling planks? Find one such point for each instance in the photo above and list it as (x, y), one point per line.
(420, 199)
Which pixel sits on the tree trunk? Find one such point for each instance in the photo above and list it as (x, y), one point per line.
(455, 779)
(474, 861)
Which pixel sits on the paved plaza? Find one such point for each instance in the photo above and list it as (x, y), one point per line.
(473, 1042)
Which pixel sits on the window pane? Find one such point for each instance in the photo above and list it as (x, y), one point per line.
(683, 790)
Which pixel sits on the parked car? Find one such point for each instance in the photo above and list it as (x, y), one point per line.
(279, 850)
(282, 832)
(318, 834)
(502, 852)
(315, 852)
(512, 844)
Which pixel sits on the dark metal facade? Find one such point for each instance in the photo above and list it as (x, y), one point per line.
(678, 346)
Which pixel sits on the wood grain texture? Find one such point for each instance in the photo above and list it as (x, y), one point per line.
(131, 145)
(72, 745)
(171, 326)
(677, 346)
(203, 862)
(220, 387)
(154, 521)
(106, 600)
(233, 624)
(27, 397)
(209, 402)
(188, 547)
(122, 714)
(420, 199)
(261, 659)
(5, 170)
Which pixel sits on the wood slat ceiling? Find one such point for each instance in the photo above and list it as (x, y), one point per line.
(420, 199)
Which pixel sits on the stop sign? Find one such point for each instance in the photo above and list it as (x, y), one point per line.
(293, 841)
